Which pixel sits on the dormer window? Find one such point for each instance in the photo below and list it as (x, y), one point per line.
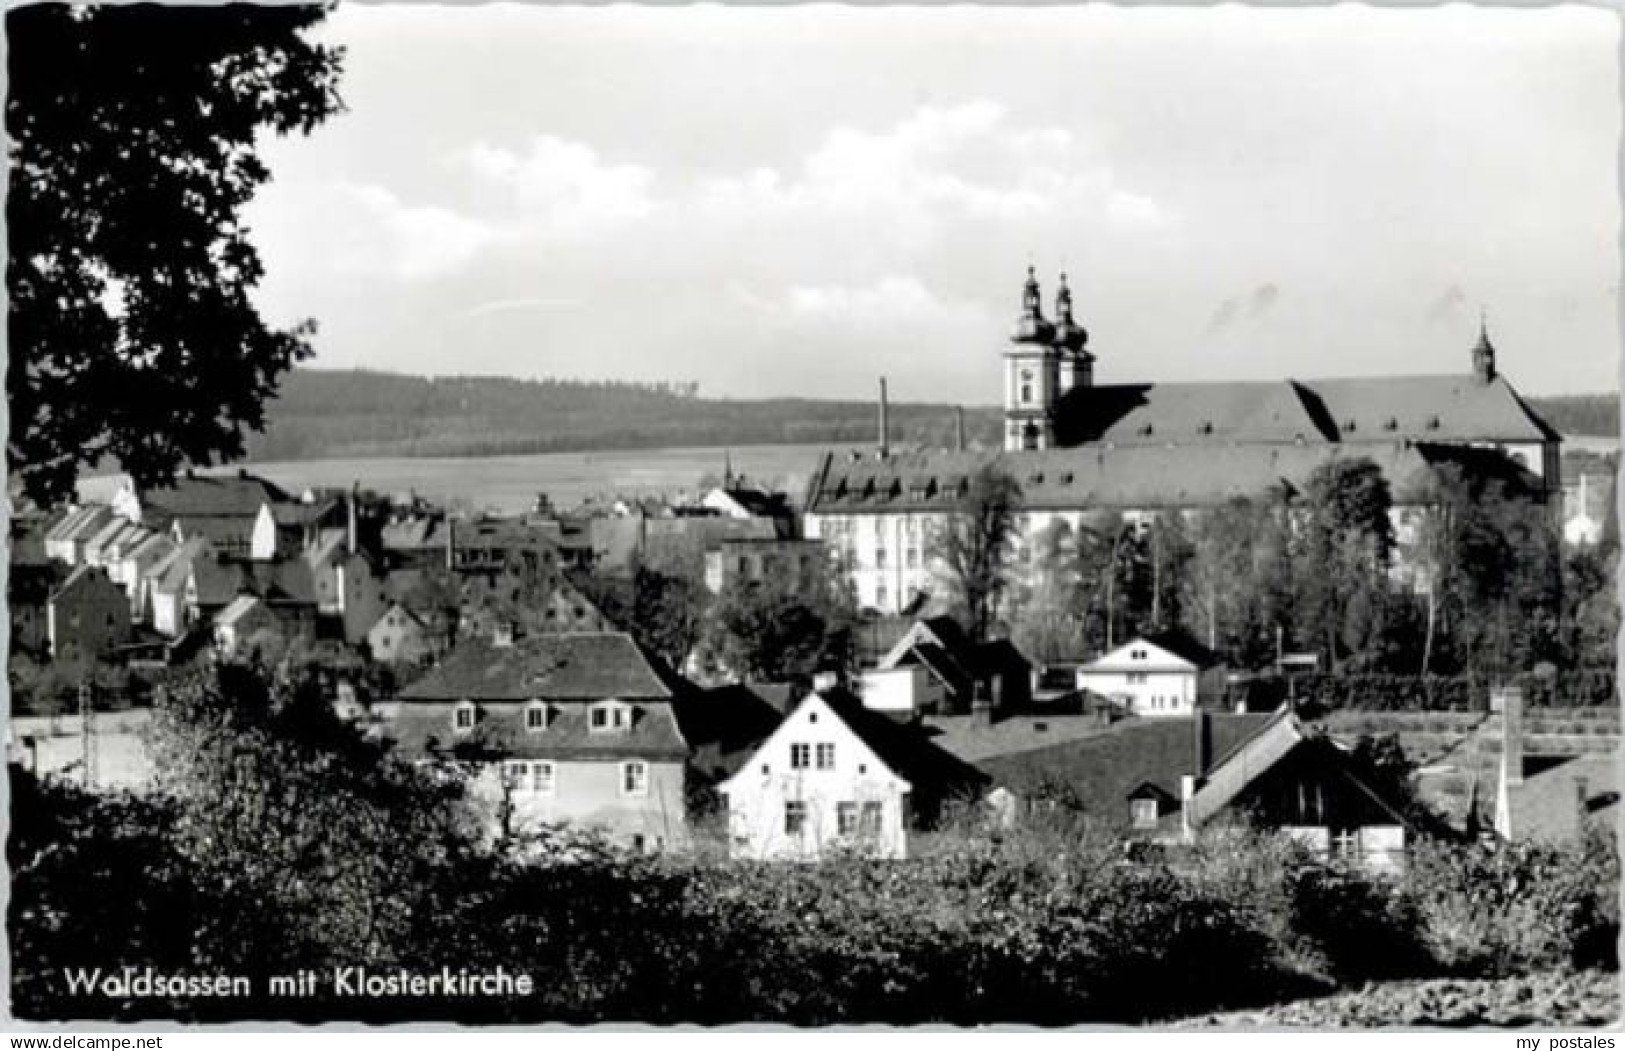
(536, 716)
(462, 717)
(1143, 812)
(610, 716)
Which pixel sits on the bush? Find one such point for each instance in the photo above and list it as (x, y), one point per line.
(1580, 690)
(1494, 910)
(296, 845)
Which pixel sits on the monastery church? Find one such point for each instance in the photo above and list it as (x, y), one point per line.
(1140, 449)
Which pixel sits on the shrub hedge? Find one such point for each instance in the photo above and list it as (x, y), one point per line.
(1581, 689)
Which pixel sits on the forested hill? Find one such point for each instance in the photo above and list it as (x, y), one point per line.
(347, 414)
(324, 414)
(1592, 415)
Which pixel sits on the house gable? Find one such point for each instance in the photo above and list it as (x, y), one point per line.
(813, 741)
(1141, 655)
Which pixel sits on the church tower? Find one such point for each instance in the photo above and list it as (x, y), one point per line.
(1076, 365)
(1484, 354)
(1031, 376)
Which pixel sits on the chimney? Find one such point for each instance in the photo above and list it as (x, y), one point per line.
(885, 448)
(981, 703)
(349, 517)
(1201, 741)
(959, 428)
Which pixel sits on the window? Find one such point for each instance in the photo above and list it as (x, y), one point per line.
(1026, 392)
(869, 818)
(536, 717)
(1144, 812)
(846, 818)
(610, 716)
(515, 775)
(880, 595)
(826, 757)
(880, 558)
(795, 817)
(634, 778)
(463, 718)
(799, 758)
(912, 558)
(1137, 678)
(1346, 844)
(542, 778)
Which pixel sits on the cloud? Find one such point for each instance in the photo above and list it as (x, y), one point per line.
(906, 187)
(409, 241)
(520, 305)
(563, 188)
(892, 300)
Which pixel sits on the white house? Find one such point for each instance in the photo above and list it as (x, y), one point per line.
(1155, 676)
(815, 787)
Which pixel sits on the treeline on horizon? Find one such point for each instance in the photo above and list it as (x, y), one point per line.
(322, 414)
(336, 414)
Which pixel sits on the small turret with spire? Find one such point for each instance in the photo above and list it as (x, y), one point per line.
(1483, 352)
(1069, 335)
(1031, 326)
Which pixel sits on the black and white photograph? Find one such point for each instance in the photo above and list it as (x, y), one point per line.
(804, 515)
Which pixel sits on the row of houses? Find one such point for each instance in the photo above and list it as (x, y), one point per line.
(586, 729)
(235, 558)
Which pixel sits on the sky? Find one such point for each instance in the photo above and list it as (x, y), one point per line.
(799, 200)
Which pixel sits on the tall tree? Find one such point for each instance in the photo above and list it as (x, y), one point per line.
(1106, 551)
(132, 334)
(779, 628)
(1347, 547)
(1049, 620)
(975, 544)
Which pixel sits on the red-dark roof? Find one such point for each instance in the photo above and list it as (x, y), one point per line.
(1448, 408)
(1098, 476)
(578, 666)
(500, 732)
(228, 496)
(725, 726)
(1105, 769)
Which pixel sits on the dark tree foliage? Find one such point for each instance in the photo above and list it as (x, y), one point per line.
(780, 628)
(976, 545)
(132, 332)
(660, 606)
(1347, 546)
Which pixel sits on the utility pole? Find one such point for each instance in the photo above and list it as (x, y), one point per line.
(87, 731)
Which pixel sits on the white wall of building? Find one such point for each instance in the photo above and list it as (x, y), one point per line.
(1145, 679)
(853, 783)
